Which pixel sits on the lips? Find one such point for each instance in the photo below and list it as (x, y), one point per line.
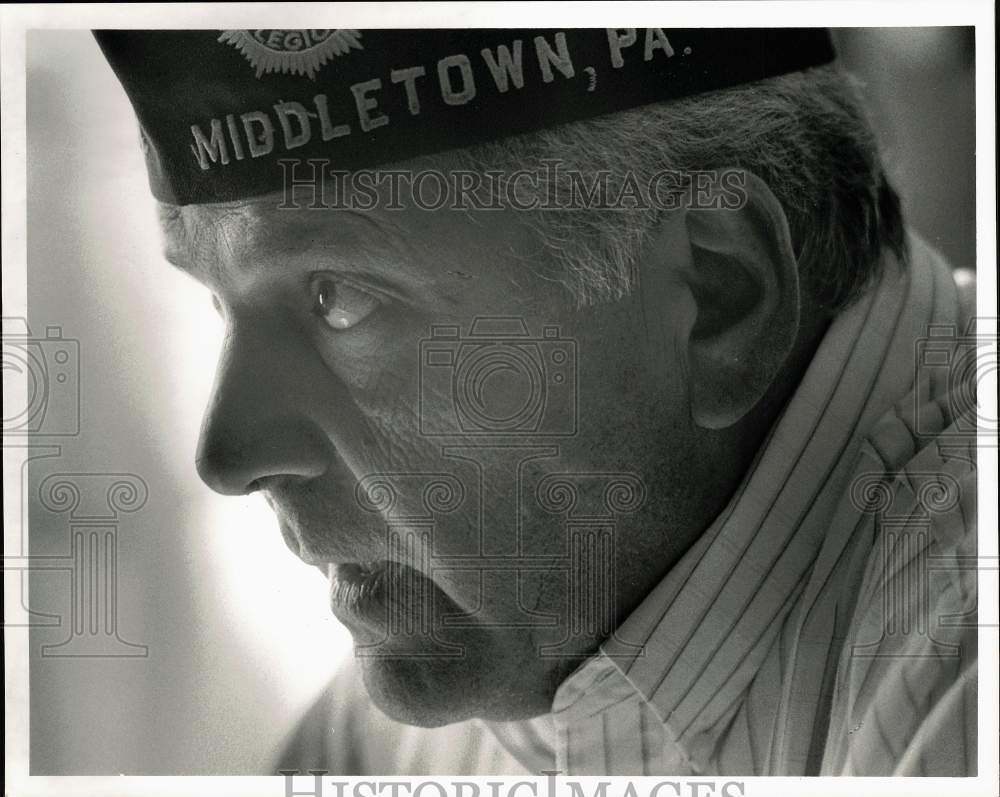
(384, 595)
(352, 585)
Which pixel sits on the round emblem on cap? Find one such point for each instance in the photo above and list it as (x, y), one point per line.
(293, 52)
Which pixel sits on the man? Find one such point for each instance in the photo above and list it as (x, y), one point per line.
(606, 409)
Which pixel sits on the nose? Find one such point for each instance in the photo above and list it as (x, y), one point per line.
(258, 424)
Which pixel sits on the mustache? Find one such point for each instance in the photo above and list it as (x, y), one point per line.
(322, 522)
(346, 519)
(380, 516)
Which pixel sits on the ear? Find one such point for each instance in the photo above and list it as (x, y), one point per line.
(720, 292)
(744, 279)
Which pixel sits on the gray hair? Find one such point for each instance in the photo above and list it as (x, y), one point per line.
(804, 134)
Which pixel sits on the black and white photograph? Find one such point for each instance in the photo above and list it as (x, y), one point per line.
(500, 399)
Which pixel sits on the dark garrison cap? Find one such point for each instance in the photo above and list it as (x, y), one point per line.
(220, 110)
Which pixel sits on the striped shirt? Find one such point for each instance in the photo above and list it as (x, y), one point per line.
(824, 624)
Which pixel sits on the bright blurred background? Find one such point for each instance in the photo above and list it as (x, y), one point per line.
(238, 632)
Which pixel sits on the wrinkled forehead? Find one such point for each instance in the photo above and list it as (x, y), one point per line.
(320, 192)
(207, 239)
(389, 232)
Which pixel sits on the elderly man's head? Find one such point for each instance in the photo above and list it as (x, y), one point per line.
(497, 430)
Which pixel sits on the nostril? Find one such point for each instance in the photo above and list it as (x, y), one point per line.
(241, 461)
(224, 469)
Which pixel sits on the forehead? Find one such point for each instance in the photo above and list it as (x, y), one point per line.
(220, 244)
(195, 235)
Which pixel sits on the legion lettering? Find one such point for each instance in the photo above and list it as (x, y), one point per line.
(456, 82)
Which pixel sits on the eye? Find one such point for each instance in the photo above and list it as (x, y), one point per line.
(339, 305)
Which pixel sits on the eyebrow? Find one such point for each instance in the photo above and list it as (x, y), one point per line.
(272, 236)
(173, 237)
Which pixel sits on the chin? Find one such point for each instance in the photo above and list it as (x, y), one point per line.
(431, 691)
(417, 691)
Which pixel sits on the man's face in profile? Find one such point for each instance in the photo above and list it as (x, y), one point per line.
(430, 414)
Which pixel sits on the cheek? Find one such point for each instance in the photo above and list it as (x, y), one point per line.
(454, 498)
(632, 397)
